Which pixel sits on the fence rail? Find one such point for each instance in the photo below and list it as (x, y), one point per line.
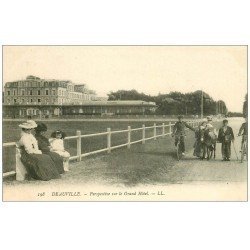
(109, 134)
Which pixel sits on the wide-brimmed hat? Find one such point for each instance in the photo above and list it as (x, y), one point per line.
(25, 125)
(209, 118)
(41, 127)
(32, 123)
(28, 124)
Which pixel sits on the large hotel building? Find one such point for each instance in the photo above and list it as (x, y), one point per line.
(43, 97)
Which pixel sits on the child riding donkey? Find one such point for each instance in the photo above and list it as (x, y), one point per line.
(206, 138)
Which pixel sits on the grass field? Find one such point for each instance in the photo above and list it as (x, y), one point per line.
(11, 133)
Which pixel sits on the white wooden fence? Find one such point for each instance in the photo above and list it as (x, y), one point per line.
(78, 137)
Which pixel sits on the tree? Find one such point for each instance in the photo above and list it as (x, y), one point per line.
(175, 102)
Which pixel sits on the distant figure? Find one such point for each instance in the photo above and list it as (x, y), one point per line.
(226, 136)
(39, 166)
(44, 146)
(57, 146)
(243, 132)
(209, 138)
(179, 132)
(198, 142)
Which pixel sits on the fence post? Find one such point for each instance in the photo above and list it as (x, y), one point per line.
(143, 134)
(109, 139)
(129, 136)
(154, 131)
(170, 128)
(79, 145)
(163, 129)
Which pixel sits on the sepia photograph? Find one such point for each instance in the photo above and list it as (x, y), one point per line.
(124, 123)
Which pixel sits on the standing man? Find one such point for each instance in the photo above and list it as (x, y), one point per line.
(243, 132)
(179, 132)
(226, 136)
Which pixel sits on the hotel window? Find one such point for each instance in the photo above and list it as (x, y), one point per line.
(47, 92)
(53, 92)
(30, 92)
(59, 92)
(39, 92)
(39, 100)
(8, 92)
(14, 100)
(14, 92)
(31, 100)
(22, 100)
(23, 92)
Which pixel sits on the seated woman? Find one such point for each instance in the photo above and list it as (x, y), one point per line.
(57, 146)
(44, 146)
(38, 165)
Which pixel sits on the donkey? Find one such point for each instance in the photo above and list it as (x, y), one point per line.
(208, 140)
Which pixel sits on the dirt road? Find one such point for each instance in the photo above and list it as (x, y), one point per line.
(215, 169)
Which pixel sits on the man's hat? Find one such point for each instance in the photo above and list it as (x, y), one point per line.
(180, 116)
(209, 118)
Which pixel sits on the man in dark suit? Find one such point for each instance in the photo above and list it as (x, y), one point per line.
(226, 136)
(179, 132)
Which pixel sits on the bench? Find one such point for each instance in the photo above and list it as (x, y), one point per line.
(21, 172)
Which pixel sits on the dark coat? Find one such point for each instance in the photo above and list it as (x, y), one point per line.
(179, 128)
(43, 145)
(225, 136)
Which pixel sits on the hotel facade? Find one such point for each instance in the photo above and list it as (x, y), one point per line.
(43, 97)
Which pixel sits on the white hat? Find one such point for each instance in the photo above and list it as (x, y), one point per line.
(28, 125)
(209, 126)
(209, 118)
(25, 125)
(32, 123)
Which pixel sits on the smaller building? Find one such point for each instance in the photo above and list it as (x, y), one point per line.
(101, 108)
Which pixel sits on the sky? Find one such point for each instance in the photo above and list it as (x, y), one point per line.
(220, 71)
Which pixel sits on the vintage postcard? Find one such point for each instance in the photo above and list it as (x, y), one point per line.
(124, 123)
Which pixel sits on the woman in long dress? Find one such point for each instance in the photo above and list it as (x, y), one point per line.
(44, 146)
(39, 166)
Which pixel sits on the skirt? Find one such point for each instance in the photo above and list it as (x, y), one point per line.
(39, 166)
(58, 161)
(64, 154)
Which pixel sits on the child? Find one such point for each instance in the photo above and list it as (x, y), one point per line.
(57, 146)
(211, 131)
(226, 136)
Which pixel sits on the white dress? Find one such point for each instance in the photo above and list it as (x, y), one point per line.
(57, 146)
(29, 142)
